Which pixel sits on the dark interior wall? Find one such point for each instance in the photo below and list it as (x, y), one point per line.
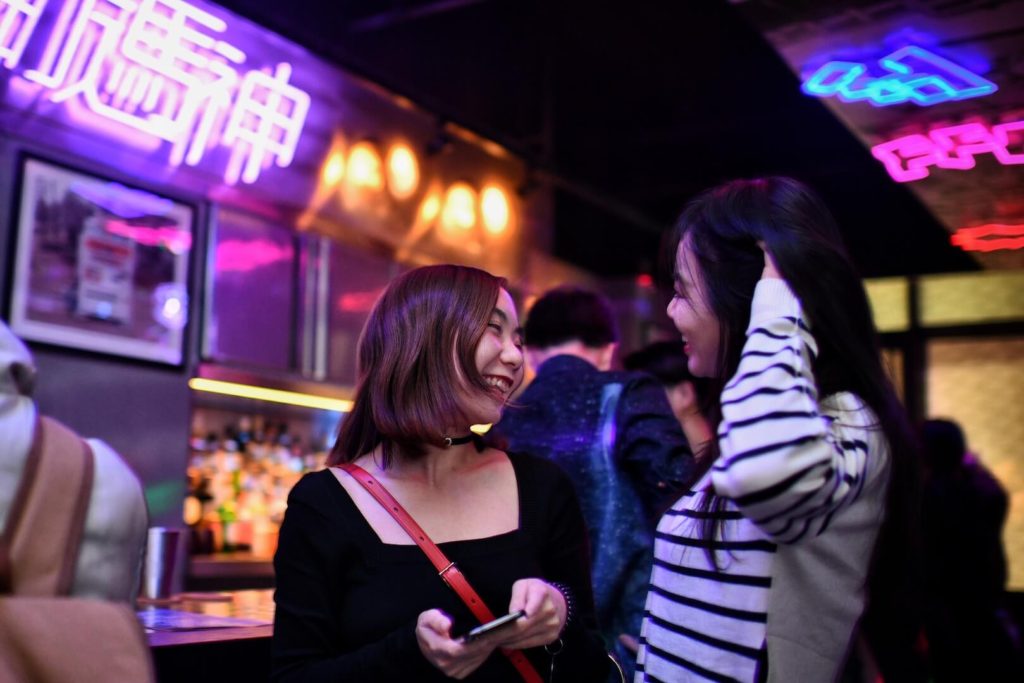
(141, 411)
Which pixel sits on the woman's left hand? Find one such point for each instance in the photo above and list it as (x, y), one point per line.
(545, 614)
(770, 271)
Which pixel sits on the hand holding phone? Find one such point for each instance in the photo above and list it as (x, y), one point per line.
(446, 652)
(494, 625)
(546, 613)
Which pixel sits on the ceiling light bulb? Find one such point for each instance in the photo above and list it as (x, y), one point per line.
(403, 171)
(364, 166)
(459, 207)
(494, 207)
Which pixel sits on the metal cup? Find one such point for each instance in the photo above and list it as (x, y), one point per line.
(161, 562)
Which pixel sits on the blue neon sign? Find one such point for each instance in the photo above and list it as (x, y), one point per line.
(913, 74)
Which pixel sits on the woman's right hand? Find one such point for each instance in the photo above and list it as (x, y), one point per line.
(454, 658)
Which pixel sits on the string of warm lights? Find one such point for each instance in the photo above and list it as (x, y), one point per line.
(461, 207)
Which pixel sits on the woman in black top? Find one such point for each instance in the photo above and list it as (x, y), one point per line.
(357, 600)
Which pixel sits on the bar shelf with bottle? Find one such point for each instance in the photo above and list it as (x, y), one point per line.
(244, 457)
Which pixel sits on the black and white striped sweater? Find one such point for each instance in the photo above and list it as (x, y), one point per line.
(804, 482)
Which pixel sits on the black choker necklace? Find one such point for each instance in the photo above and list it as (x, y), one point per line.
(457, 440)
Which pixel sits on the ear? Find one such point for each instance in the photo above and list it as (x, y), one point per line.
(687, 396)
(604, 356)
(535, 356)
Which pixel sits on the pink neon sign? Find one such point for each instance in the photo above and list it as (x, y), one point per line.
(952, 147)
(238, 256)
(177, 241)
(162, 68)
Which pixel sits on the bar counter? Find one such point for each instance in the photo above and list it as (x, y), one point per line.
(219, 636)
(209, 617)
(230, 571)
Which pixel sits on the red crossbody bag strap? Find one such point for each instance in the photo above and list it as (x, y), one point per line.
(446, 569)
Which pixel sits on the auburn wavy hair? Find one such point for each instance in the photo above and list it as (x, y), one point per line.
(417, 348)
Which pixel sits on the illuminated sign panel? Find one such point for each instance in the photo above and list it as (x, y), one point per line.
(162, 68)
(953, 147)
(17, 22)
(911, 74)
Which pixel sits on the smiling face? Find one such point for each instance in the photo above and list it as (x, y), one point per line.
(693, 316)
(499, 359)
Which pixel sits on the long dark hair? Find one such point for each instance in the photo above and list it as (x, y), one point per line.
(722, 228)
(417, 347)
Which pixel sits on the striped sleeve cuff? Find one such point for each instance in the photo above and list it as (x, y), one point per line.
(772, 299)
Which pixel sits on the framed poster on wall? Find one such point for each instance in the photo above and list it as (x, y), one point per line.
(100, 266)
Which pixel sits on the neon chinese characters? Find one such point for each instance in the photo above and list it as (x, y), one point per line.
(162, 68)
(911, 74)
(953, 147)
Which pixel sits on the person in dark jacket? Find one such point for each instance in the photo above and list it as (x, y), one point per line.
(666, 361)
(970, 634)
(615, 435)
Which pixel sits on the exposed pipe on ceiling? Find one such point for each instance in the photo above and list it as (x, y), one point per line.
(408, 14)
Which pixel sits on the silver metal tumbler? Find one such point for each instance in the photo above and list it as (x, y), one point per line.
(161, 562)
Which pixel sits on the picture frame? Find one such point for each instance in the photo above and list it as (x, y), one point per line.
(100, 266)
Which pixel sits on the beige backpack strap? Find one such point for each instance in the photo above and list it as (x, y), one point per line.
(39, 545)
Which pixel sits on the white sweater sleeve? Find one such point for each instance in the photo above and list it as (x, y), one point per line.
(785, 462)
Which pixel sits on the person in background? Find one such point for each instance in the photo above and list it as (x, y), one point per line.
(764, 567)
(112, 547)
(686, 394)
(615, 435)
(970, 634)
(356, 598)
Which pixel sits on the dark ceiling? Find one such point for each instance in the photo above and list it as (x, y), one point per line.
(627, 112)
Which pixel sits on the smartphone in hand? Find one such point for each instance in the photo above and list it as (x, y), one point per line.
(494, 625)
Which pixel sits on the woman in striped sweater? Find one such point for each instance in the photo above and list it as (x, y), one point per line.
(763, 569)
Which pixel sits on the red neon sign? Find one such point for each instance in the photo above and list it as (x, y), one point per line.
(952, 147)
(990, 237)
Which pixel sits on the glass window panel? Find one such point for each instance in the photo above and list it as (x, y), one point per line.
(252, 292)
(972, 298)
(356, 279)
(892, 359)
(888, 298)
(980, 384)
